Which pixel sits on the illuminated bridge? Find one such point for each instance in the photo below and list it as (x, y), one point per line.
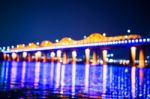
(92, 44)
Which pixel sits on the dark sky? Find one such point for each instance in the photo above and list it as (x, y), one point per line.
(24, 21)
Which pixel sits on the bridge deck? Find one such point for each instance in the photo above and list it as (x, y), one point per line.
(119, 43)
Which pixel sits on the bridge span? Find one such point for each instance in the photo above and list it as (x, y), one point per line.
(92, 44)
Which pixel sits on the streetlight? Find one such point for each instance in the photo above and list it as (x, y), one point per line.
(8, 48)
(37, 43)
(4, 48)
(84, 36)
(56, 40)
(128, 31)
(12, 46)
(104, 34)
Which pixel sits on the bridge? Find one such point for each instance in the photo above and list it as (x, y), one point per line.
(92, 44)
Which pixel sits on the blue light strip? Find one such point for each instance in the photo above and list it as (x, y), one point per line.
(109, 43)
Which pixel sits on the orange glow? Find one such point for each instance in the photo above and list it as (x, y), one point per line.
(46, 43)
(95, 37)
(74, 55)
(24, 55)
(65, 57)
(133, 81)
(133, 55)
(52, 54)
(95, 59)
(14, 56)
(104, 53)
(31, 45)
(5, 56)
(141, 58)
(65, 41)
(38, 54)
(58, 55)
(87, 56)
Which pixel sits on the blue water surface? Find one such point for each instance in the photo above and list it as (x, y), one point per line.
(45, 80)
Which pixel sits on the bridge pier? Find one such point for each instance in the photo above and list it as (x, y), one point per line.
(74, 54)
(65, 57)
(59, 55)
(87, 56)
(45, 57)
(14, 56)
(5, 56)
(18, 57)
(132, 55)
(95, 58)
(52, 54)
(38, 56)
(29, 57)
(8, 57)
(141, 58)
(24, 56)
(104, 57)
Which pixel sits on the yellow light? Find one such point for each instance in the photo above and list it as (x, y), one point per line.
(14, 55)
(24, 54)
(38, 54)
(52, 54)
(30, 44)
(46, 42)
(74, 53)
(126, 36)
(59, 52)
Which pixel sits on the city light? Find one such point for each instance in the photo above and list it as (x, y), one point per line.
(94, 40)
(37, 43)
(104, 34)
(128, 31)
(82, 45)
(56, 40)
(84, 36)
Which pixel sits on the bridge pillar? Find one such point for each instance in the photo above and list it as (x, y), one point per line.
(87, 56)
(24, 56)
(18, 57)
(59, 55)
(65, 57)
(141, 58)
(74, 54)
(104, 57)
(29, 57)
(14, 56)
(8, 57)
(132, 55)
(95, 58)
(44, 57)
(52, 54)
(5, 56)
(38, 56)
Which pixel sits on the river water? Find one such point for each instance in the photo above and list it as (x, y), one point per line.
(55, 80)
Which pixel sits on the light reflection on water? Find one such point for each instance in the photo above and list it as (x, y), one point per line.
(75, 80)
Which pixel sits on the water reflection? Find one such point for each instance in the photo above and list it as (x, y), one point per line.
(57, 74)
(133, 81)
(62, 83)
(86, 78)
(37, 74)
(43, 79)
(13, 74)
(104, 84)
(23, 74)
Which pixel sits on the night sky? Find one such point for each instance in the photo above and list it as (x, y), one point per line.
(26, 21)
